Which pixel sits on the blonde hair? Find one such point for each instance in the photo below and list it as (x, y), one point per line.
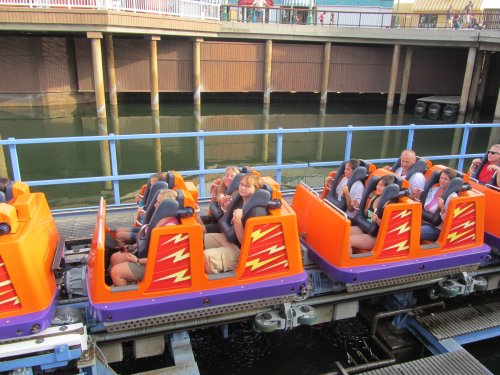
(222, 188)
(253, 180)
(167, 194)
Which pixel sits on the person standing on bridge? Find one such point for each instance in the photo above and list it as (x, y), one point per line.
(449, 17)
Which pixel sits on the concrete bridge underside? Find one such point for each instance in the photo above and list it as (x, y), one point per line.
(50, 55)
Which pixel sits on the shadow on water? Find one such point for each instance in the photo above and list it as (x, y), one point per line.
(305, 350)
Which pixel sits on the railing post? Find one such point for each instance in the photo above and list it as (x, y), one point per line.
(114, 168)
(411, 134)
(348, 143)
(201, 162)
(16, 172)
(463, 147)
(279, 154)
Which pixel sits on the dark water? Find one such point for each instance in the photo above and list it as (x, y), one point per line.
(74, 160)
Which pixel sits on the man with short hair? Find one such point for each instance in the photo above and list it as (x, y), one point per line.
(408, 159)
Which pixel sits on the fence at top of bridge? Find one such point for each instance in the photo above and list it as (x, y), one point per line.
(109, 151)
(299, 14)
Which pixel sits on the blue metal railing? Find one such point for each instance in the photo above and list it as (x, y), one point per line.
(201, 172)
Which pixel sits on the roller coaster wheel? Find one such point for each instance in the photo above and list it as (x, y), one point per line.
(434, 111)
(309, 316)
(67, 315)
(448, 288)
(480, 284)
(4, 228)
(263, 322)
(433, 293)
(420, 109)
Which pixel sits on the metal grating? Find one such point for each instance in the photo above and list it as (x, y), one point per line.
(461, 321)
(459, 362)
(196, 314)
(411, 278)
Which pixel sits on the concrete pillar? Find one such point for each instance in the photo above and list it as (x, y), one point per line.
(157, 141)
(95, 40)
(267, 71)
(483, 81)
(496, 116)
(153, 72)
(110, 63)
(394, 77)
(476, 75)
(321, 135)
(406, 76)
(467, 81)
(326, 72)
(265, 137)
(197, 70)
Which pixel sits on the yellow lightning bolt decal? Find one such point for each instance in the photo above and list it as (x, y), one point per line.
(178, 256)
(179, 276)
(399, 246)
(256, 263)
(457, 211)
(403, 214)
(466, 225)
(6, 282)
(256, 235)
(284, 263)
(271, 250)
(403, 228)
(10, 300)
(455, 236)
(176, 239)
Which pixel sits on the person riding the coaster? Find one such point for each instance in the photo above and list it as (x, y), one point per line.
(220, 254)
(416, 179)
(358, 239)
(434, 201)
(127, 267)
(485, 169)
(353, 195)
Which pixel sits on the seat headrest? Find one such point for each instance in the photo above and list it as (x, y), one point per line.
(390, 194)
(157, 186)
(167, 208)
(3, 197)
(235, 184)
(150, 210)
(484, 160)
(359, 174)
(456, 184)
(256, 205)
(420, 166)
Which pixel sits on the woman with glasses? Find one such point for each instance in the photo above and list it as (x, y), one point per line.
(489, 168)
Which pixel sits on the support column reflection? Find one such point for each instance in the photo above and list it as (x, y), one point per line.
(102, 127)
(265, 137)
(321, 135)
(157, 141)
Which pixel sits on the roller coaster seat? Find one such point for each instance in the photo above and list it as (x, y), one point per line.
(215, 209)
(166, 208)
(421, 165)
(478, 170)
(157, 186)
(256, 206)
(391, 193)
(455, 186)
(359, 174)
(13, 190)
